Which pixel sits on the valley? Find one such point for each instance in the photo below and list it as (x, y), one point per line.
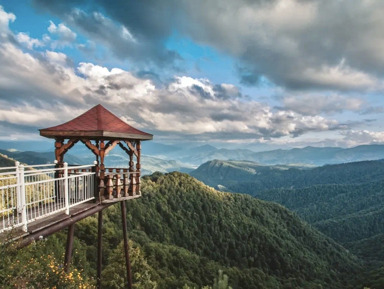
(185, 232)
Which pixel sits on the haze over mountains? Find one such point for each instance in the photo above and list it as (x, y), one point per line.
(167, 158)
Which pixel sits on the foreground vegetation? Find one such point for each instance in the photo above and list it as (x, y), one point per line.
(183, 233)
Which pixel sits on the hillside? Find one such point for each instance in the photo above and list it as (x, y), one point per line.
(5, 161)
(251, 178)
(183, 232)
(37, 158)
(343, 201)
(347, 213)
(237, 231)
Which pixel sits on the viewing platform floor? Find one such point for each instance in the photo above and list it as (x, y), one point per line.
(50, 224)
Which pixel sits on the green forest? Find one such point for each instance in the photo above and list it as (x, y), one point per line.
(187, 235)
(343, 201)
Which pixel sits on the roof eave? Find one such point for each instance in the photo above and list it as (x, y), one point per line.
(99, 134)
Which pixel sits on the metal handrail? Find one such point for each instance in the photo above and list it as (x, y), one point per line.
(33, 194)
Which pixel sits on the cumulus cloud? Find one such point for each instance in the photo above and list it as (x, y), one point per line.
(29, 42)
(294, 44)
(5, 18)
(45, 88)
(65, 36)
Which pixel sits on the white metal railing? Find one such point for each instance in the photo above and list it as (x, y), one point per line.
(28, 193)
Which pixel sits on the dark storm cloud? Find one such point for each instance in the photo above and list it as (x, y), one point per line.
(133, 32)
(296, 44)
(373, 110)
(232, 116)
(12, 127)
(226, 91)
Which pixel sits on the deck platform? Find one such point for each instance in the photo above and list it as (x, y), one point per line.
(50, 224)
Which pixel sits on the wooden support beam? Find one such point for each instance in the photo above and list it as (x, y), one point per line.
(58, 144)
(69, 248)
(101, 169)
(138, 167)
(65, 147)
(131, 147)
(92, 147)
(46, 231)
(99, 248)
(110, 145)
(124, 148)
(126, 245)
(132, 180)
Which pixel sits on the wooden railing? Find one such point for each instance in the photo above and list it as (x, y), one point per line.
(119, 183)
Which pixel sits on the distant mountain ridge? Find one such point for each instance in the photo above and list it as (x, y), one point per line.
(149, 164)
(189, 156)
(315, 156)
(36, 158)
(251, 178)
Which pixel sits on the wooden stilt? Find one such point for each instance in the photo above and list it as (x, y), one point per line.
(126, 246)
(69, 247)
(99, 248)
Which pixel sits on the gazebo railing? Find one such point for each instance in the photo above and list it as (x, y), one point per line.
(29, 193)
(120, 183)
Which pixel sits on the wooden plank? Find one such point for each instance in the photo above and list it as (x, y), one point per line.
(116, 200)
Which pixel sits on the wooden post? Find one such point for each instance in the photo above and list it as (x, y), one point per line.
(109, 187)
(102, 169)
(58, 154)
(131, 170)
(126, 245)
(59, 164)
(138, 167)
(118, 185)
(125, 185)
(99, 248)
(69, 247)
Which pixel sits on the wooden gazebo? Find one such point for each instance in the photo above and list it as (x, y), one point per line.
(100, 130)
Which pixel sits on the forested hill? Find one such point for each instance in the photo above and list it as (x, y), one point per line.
(5, 161)
(343, 201)
(265, 245)
(36, 158)
(251, 178)
(183, 232)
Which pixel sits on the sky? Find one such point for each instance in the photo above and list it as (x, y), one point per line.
(254, 74)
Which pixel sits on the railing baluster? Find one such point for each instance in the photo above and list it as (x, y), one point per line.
(29, 194)
(23, 201)
(18, 196)
(66, 191)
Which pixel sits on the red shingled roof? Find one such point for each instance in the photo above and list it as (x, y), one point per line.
(96, 123)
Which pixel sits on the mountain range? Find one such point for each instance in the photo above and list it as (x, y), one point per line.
(167, 158)
(314, 156)
(187, 231)
(344, 201)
